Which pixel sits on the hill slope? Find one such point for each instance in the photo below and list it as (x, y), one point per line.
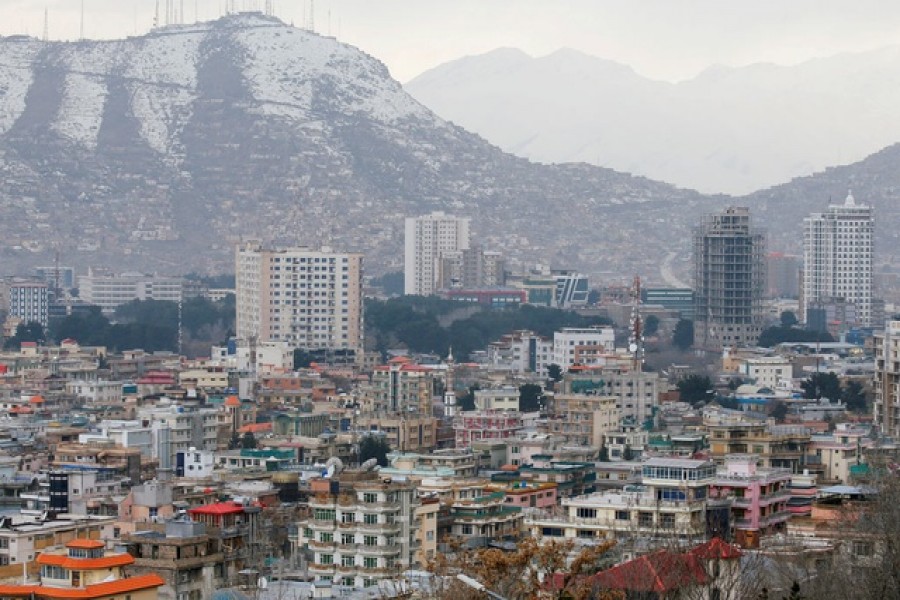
(159, 152)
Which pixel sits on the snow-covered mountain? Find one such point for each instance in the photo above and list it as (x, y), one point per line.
(731, 130)
(162, 151)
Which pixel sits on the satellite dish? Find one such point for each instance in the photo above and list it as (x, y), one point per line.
(632, 347)
(263, 583)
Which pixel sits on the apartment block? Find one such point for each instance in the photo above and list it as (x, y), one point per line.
(28, 300)
(838, 254)
(111, 291)
(582, 346)
(311, 299)
(427, 239)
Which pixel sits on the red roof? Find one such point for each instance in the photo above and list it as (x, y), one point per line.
(716, 548)
(660, 572)
(98, 590)
(255, 427)
(219, 508)
(232, 401)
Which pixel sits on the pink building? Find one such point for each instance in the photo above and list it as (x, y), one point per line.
(759, 497)
(474, 426)
(527, 494)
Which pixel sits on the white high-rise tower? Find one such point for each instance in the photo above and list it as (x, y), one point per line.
(427, 239)
(838, 249)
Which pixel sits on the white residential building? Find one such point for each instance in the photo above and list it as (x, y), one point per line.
(887, 380)
(110, 291)
(521, 352)
(582, 346)
(767, 371)
(426, 240)
(28, 300)
(838, 249)
(505, 398)
(311, 299)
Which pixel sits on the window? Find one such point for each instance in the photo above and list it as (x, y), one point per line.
(667, 521)
(863, 548)
(370, 519)
(326, 559)
(326, 536)
(348, 538)
(370, 562)
(348, 561)
(370, 540)
(587, 513)
(623, 515)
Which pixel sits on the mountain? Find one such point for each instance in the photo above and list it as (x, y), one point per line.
(730, 130)
(160, 152)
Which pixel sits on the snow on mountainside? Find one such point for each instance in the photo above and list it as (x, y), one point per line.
(731, 130)
(161, 152)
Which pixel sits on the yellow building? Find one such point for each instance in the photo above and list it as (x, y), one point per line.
(83, 569)
(584, 419)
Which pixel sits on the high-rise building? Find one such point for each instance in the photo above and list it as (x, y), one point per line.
(887, 380)
(426, 240)
(28, 300)
(837, 258)
(783, 275)
(311, 299)
(729, 280)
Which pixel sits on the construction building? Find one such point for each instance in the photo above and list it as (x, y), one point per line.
(729, 280)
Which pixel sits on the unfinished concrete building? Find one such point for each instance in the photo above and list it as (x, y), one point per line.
(729, 280)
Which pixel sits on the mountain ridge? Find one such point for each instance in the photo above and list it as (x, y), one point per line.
(728, 129)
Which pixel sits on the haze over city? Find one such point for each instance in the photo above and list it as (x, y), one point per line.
(424, 300)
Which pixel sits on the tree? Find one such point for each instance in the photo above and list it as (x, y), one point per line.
(554, 372)
(627, 453)
(248, 441)
(779, 410)
(604, 453)
(466, 402)
(822, 385)
(374, 446)
(683, 337)
(531, 397)
(235, 442)
(795, 592)
(31, 331)
(651, 325)
(535, 569)
(788, 318)
(695, 388)
(854, 397)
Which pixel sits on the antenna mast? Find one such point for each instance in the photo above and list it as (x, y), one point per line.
(636, 340)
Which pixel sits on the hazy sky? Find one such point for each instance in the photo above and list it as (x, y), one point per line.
(664, 39)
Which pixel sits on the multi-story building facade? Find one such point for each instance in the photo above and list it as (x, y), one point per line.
(778, 446)
(572, 289)
(111, 291)
(403, 386)
(521, 352)
(637, 393)
(362, 533)
(582, 346)
(838, 253)
(583, 419)
(427, 239)
(729, 280)
(671, 503)
(471, 269)
(28, 300)
(475, 426)
(887, 380)
(311, 299)
(759, 497)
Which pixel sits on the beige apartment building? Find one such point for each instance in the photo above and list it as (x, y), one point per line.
(311, 299)
(584, 419)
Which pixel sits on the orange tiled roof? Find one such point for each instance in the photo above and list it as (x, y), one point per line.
(84, 543)
(84, 564)
(98, 590)
(255, 427)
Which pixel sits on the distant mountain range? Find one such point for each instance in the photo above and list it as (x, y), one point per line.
(731, 130)
(160, 152)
